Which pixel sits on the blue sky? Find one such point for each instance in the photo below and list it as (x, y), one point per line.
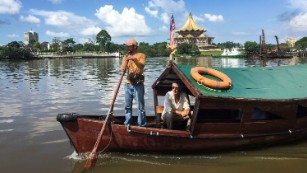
(148, 20)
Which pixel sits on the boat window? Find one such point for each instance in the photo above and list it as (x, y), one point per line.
(301, 111)
(219, 115)
(259, 114)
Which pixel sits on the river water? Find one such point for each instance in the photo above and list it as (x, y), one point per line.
(33, 92)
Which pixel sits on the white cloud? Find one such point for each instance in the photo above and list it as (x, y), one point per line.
(90, 31)
(70, 24)
(239, 33)
(56, 1)
(169, 6)
(165, 18)
(63, 19)
(214, 18)
(57, 34)
(299, 22)
(151, 12)
(13, 35)
(198, 19)
(126, 23)
(298, 4)
(10, 6)
(30, 19)
(164, 28)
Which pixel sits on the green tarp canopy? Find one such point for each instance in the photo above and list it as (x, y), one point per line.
(280, 82)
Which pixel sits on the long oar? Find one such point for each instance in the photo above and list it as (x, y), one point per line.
(91, 161)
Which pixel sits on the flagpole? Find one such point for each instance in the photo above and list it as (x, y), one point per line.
(172, 44)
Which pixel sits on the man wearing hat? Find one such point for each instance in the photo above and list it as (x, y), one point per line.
(134, 86)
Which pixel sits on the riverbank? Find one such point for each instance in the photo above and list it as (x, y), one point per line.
(76, 55)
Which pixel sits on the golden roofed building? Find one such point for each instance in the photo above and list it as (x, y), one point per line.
(190, 32)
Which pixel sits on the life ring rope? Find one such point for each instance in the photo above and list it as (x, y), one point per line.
(225, 82)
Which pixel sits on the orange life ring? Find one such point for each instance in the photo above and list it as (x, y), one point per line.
(224, 84)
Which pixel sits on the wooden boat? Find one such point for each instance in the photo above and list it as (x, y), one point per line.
(232, 53)
(277, 55)
(264, 106)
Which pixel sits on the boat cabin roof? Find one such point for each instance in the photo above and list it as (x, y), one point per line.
(263, 83)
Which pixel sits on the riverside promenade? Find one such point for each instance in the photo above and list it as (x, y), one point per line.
(77, 55)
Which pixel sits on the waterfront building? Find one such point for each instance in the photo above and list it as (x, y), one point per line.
(291, 41)
(190, 32)
(31, 35)
(45, 46)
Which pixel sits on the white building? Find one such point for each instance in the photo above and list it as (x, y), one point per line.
(291, 41)
(31, 35)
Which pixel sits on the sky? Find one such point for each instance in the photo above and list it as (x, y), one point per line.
(148, 20)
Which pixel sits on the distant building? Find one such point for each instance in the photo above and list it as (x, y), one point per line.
(291, 41)
(192, 33)
(45, 46)
(31, 35)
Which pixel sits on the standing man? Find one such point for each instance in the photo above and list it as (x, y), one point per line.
(176, 107)
(134, 86)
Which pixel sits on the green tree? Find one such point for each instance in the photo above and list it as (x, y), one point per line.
(68, 45)
(187, 49)
(55, 45)
(144, 48)
(301, 43)
(270, 47)
(112, 47)
(14, 44)
(89, 47)
(37, 45)
(183, 48)
(195, 50)
(251, 46)
(160, 49)
(78, 47)
(12, 52)
(284, 47)
(228, 45)
(103, 38)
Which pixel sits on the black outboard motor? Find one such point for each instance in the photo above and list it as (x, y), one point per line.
(67, 117)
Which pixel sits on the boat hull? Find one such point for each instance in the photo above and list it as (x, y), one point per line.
(84, 131)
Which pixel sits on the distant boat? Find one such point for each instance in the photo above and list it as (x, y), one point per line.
(116, 54)
(233, 52)
(279, 54)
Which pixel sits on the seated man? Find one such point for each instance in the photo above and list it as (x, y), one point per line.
(176, 107)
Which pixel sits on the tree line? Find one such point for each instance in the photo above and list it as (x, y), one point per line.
(103, 43)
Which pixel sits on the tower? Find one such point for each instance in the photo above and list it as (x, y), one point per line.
(30, 36)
